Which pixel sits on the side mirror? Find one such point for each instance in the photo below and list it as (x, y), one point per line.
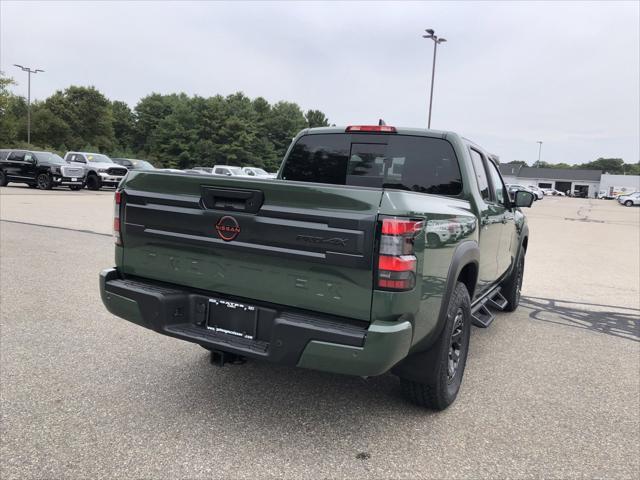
(524, 199)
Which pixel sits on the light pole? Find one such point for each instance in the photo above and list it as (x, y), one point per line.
(29, 72)
(539, 152)
(436, 40)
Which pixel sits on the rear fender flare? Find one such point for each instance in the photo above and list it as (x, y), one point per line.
(418, 366)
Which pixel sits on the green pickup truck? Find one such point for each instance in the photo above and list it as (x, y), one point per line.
(374, 250)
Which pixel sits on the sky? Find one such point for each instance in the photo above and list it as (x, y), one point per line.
(509, 75)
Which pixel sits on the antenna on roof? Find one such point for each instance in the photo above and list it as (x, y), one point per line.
(381, 122)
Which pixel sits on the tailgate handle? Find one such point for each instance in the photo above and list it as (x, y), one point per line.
(249, 201)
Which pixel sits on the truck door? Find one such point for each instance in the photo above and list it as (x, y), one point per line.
(491, 226)
(15, 161)
(29, 166)
(500, 203)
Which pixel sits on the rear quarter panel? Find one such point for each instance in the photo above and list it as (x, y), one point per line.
(421, 306)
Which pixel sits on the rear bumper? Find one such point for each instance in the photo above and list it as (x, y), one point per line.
(291, 338)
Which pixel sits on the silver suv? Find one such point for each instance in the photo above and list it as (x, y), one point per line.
(101, 170)
(630, 199)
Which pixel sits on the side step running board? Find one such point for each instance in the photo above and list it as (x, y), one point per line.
(481, 316)
(497, 301)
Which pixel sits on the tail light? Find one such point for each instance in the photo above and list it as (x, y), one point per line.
(116, 218)
(397, 263)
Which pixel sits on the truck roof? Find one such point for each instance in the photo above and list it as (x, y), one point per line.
(424, 132)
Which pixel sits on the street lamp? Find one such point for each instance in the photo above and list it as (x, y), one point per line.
(29, 72)
(436, 40)
(539, 152)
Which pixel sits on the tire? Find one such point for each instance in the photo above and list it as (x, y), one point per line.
(44, 181)
(450, 357)
(75, 188)
(512, 285)
(93, 182)
(628, 203)
(433, 240)
(3, 179)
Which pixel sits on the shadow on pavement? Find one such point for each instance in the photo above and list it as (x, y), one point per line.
(612, 320)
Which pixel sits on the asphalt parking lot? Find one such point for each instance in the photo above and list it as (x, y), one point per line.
(551, 390)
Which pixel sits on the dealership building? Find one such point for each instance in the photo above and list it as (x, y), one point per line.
(590, 182)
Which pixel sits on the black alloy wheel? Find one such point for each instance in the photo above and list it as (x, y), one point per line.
(456, 345)
(44, 181)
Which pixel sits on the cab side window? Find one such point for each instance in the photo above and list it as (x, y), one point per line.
(16, 156)
(481, 174)
(497, 185)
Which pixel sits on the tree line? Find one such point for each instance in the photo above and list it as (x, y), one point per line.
(606, 165)
(176, 130)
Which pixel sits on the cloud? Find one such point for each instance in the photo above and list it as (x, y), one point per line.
(509, 75)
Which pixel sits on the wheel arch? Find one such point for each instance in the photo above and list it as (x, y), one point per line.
(464, 267)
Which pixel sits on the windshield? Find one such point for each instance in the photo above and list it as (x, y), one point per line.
(98, 158)
(236, 170)
(50, 157)
(418, 164)
(260, 171)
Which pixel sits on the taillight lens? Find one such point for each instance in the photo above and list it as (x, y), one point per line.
(371, 128)
(117, 236)
(397, 263)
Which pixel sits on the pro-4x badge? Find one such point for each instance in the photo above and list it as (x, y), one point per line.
(227, 228)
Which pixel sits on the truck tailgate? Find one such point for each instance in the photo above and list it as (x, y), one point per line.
(303, 245)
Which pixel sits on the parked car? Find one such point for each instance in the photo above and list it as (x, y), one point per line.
(537, 191)
(317, 272)
(134, 164)
(100, 170)
(44, 170)
(228, 171)
(629, 200)
(257, 172)
(553, 192)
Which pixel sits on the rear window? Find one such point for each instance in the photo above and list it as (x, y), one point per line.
(418, 164)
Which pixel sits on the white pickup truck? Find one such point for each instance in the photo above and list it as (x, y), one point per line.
(100, 170)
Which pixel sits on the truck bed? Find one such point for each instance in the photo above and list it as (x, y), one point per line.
(311, 244)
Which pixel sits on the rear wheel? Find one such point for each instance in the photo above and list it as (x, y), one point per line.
(451, 348)
(628, 203)
(44, 181)
(512, 285)
(93, 182)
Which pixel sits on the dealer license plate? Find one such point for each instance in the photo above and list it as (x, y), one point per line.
(74, 179)
(232, 318)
